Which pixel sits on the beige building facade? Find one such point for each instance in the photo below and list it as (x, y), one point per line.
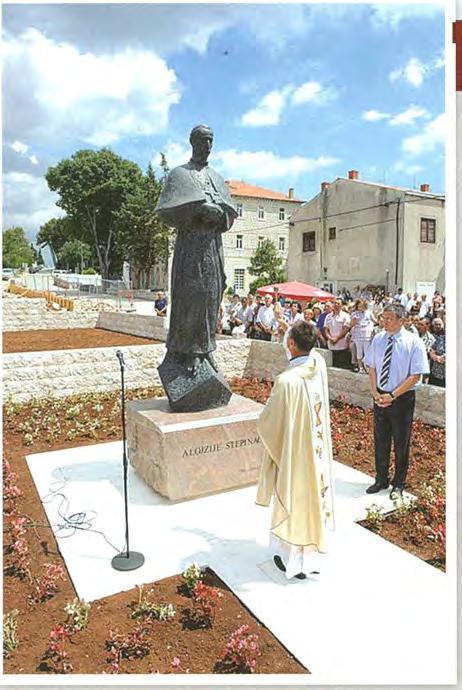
(364, 233)
(262, 214)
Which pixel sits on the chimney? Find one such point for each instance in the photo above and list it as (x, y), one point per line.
(324, 186)
(291, 193)
(353, 175)
(424, 187)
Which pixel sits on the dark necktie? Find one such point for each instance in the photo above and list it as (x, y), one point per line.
(385, 373)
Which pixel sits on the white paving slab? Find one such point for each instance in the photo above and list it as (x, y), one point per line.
(374, 614)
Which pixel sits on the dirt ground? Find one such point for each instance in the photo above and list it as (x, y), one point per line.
(68, 339)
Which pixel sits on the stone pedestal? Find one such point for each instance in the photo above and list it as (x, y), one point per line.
(183, 455)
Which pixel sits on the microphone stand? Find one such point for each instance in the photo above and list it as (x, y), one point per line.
(127, 560)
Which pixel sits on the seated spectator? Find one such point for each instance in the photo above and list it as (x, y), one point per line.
(242, 318)
(438, 355)
(232, 310)
(160, 304)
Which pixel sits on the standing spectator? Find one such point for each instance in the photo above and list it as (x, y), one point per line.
(427, 338)
(265, 322)
(362, 327)
(425, 307)
(412, 302)
(322, 322)
(308, 316)
(397, 296)
(409, 326)
(295, 314)
(160, 304)
(336, 328)
(405, 297)
(438, 355)
(396, 360)
(287, 309)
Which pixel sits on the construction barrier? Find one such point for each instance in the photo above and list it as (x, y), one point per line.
(63, 302)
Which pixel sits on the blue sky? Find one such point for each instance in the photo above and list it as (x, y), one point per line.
(296, 93)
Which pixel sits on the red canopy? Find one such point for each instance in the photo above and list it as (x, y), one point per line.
(299, 291)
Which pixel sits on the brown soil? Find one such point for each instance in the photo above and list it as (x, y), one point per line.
(199, 650)
(39, 426)
(68, 339)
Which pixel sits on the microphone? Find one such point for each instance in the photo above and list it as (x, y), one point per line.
(120, 357)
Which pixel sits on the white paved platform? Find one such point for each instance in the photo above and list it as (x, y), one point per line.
(375, 614)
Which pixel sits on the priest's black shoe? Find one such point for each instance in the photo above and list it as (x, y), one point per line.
(376, 487)
(300, 576)
(279, 564)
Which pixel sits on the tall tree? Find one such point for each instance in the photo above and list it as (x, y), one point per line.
(74, 253)
(142, 237)
(266, 265)
(16, 249)
(92, 187)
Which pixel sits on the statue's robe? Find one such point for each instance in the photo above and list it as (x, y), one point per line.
(198, 277)
(296, 470)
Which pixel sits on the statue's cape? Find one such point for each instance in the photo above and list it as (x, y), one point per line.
(183, 187)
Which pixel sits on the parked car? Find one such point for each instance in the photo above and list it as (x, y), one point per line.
(7, 273)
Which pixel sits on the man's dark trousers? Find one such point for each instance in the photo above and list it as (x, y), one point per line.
(393, 422)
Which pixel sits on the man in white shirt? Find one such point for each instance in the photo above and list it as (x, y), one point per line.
(265, 322)
(425, 307)
(337, 325)
(405, 299)
(396, 359)
(412, 302)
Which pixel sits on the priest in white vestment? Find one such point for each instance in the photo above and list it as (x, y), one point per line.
(296, 469)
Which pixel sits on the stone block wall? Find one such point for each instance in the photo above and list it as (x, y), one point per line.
(59, 373)
(135, 324)
(31, 314)
(267, 360)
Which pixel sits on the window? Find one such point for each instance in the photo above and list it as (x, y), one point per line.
(239, 274)
(282, 214)
(261, 213)
(261, 239)
(332, 233)
(282, 244)
(240, 210)
(309, 241)
(239, 241)
(427, 230)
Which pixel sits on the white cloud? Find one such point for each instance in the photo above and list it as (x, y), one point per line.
(312, 92)
(374, 115)
(100, 98)
(269, 109)
(388, 15)
(408, 116)
(407, 168)
(265, 165)
(33, 160)
(414, 72)
(28, 202)
(426, 141)
(19, 147)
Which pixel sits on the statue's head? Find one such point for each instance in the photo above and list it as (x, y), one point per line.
(201, 139)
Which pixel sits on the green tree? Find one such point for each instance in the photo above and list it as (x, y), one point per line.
(16, 248)
(74, 253)
(142, 237)
(92, 187)
(266, 265)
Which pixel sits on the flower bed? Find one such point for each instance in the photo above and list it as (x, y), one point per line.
(210, 631)
(68, 339)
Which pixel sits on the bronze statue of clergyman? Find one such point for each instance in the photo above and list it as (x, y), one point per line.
(196, 202)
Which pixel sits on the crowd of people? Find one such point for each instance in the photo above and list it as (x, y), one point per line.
(345, 325)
